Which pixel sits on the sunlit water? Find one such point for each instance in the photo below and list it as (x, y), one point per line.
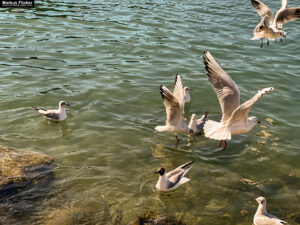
(108, 59)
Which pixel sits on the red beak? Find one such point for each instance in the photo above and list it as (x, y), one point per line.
(258, 121)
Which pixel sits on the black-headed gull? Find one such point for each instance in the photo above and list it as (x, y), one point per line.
(173, 179)
(174, 103)
(234, 116)
(262, 217)
(54, 114)
(270, 27)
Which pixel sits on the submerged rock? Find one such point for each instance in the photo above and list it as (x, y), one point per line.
(18, 166)
(151, 218)
(25, 178)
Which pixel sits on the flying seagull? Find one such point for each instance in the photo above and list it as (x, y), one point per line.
(55, 114)
(174, 103)
(261, 216)
(270, 27)
(234, 116)
(173, 179)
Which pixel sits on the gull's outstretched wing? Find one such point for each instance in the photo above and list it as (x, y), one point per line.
(286, 15)
(262, 9)
(240, 114)
(174, 110)
(225, 88)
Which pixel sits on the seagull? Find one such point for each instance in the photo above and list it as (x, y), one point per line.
(270, 27)
(234, 116)
(173, 179)
(174, 103)
(261, 216)
(55, 114)
(197, 124)
(186, 94)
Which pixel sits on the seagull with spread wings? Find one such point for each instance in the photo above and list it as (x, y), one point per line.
(270, 27)
(174, 103)
(54, 114)
(173, 179)
(234, 116)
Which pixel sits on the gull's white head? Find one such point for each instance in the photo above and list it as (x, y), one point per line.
(187, 96)
(253, 121)
(62, 104)
(261, 201)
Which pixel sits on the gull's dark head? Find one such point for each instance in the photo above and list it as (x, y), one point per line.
(63, 104)
(161, 171)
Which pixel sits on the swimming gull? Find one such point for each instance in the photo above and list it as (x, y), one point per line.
(55, 114)
(234, 116)
(197, 124)
(174, 103)
(186, 95)
(270, 27)
(173, 179)
(261, 216)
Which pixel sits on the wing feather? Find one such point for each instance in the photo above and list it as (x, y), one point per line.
(174, 110)
(225, 88)
(241, 113)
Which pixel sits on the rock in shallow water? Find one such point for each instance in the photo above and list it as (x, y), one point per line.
(18, 166)
(151, 218)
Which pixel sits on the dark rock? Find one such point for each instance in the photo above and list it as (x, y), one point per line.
(18, 166)
(151, 218)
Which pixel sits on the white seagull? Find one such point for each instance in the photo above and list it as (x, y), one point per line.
(197, 124)
(270, 27)
(186, 94)
(173, 179)
(174, 103)
(234, 116)
(261, 216)
(55, 114)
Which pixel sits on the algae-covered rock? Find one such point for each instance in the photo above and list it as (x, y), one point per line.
(152, 218)
(18, 166)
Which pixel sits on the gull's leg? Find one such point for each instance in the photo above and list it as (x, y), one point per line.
(275, 40)
(220, 143)
(225, 145)
(261, 43)
(280, 39)
(268, 42)
(177, 138)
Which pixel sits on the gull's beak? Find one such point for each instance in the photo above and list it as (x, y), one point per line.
(156, 172)
(206, 113)
(68, 105)
(190, 89)
(258, 121)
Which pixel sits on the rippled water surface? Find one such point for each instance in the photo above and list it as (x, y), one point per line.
(108, 59)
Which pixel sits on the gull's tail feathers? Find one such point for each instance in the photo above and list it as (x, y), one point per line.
(216, 130)
(184, 180)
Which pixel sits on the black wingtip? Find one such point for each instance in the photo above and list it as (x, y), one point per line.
(187, 164)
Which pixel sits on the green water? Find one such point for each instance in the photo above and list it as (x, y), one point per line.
(108, 59)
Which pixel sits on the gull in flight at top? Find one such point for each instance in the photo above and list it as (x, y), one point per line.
(261, 216)
(173, 179)
(55, 114)
(234, 116)
(174, 103)
(270, 27)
